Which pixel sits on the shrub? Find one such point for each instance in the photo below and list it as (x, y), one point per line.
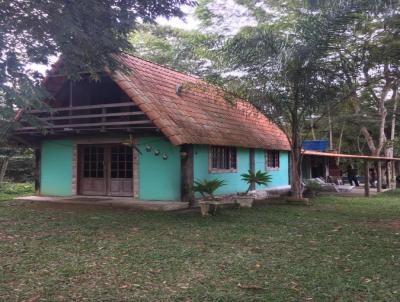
(259, 178)
(207, 187)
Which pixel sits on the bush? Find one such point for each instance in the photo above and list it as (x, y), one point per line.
(20, 169)
(207, 187)
(10, 190)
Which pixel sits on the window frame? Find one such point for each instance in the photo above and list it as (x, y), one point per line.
(212, 170)
(276, 167)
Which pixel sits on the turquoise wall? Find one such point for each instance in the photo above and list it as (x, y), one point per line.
(56, 168)
(233, 180)
(159, 179)
(280, 177)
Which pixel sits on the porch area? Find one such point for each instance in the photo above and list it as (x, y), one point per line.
(106, 201)
(379, 174)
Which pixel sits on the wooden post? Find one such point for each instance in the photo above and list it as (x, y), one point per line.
(366, 178)
(103, 119)
(252, 165)
(187, 174)
(70, 100)
(37, 170)
(379, 184)
(387, 175)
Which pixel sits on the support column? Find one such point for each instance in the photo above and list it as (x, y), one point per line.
(379, 184)
(387, 175)
(252, 165)
(187, 174)
(366, 178)
(37, 154)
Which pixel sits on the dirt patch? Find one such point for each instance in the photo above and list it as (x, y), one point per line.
(66, 206)
(6, 237)
(391, 224)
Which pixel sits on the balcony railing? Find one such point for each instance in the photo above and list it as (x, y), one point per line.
(91, 117)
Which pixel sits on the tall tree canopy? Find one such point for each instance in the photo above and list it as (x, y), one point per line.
(86, 33)
(189, 51)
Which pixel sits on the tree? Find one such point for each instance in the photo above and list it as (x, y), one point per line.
(182, 50)
(86, 33)
(286, 73)
(370, 74)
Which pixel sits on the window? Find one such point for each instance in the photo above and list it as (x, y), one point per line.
(223, 159)
(93, 162)
(272, 159)
(121, 162)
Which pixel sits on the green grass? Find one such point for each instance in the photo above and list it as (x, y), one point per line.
(340, 249)
(10, 190)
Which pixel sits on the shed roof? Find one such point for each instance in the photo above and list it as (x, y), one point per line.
(354, 156)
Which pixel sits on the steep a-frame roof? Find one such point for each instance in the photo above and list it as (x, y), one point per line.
(187, 110)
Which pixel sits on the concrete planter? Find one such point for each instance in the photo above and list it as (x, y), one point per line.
(244, 201)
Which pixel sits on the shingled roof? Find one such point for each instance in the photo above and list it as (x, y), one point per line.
(187, 110)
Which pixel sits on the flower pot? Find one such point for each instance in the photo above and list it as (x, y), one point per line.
(244, 201)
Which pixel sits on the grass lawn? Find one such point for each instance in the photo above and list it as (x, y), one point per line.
(340, 249)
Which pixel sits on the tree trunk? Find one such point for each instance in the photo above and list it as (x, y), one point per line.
(330, 130)
(379, 182)
(4, 169)
(312, 127)
(187, 193)
(389, 152)
(382, 112)
(340, 144)
(297, 190)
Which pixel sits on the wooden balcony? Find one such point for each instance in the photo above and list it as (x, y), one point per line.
(96, 118)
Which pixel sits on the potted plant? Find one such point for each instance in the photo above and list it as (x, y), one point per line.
(206, 188)
(259, 178)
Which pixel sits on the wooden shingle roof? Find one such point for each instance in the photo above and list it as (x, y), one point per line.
(187, 110)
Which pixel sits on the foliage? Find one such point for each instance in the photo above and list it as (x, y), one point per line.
(207, 187)
(182, 50)
(9, 190)
(20, 169)
(259, 178)
(312, 187)
(285, 72)
(346, 248)
(16, 163)
(86, 33)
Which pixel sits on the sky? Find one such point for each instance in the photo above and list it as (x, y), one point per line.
(189, 22)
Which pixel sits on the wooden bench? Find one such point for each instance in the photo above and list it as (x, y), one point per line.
(212, 206)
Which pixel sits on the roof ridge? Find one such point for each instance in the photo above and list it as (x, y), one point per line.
(163, 66)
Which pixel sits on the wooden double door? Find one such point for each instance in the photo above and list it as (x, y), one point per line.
(105, 170)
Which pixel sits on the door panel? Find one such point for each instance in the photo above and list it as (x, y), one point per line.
(106, 170)
(93, 175)
(121, 171)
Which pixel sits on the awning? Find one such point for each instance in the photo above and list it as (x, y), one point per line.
(340, 155)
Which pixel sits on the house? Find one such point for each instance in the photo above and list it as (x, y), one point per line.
(148, 132)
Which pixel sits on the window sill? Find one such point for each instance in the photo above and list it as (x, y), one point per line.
(220, 171)
(273, 169)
